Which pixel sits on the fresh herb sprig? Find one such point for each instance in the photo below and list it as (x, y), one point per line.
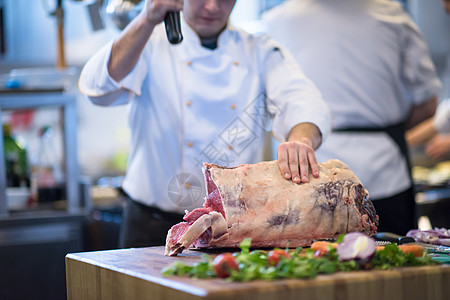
(202, 269)
(391, 256)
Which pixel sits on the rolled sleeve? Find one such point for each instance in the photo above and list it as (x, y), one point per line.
(442, 118)
(96, 82)
(94, 79)
(294, 114)
(292, 98)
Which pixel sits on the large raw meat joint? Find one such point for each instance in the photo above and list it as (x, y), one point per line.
(256, 201)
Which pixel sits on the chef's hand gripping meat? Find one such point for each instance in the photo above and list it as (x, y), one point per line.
(255, 201)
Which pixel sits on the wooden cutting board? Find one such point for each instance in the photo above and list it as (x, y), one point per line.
(135, 274)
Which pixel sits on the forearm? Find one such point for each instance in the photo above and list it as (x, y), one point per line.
(128, 47)
(307, 133)
(421, 112)
(421, 134)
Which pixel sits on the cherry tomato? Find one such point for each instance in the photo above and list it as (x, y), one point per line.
(224, 263)
(274, 256)
(320, 252)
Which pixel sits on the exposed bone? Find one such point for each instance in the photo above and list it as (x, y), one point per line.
(192, 234)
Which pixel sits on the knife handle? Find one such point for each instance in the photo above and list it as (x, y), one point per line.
(173, 27)
(393, 238)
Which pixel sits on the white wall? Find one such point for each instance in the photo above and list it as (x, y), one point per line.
(435, 26)
(31, 33)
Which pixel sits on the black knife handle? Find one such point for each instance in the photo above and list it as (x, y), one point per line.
(173, 27)
(393, 238)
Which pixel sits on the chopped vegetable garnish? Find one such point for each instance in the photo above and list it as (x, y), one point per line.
(249, 265)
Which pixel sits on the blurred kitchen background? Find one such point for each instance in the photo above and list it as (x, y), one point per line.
(64, 158)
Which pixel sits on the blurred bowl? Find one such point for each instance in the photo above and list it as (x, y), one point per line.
(17, 197)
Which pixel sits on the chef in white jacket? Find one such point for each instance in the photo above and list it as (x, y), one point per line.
(372, 66)
(208, 99)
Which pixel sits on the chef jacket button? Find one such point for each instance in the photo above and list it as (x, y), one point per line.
(189, 63)
(188, 103)
(230, 147)
(233, 106)
(190, 144)
(236, 63)
(187, 185)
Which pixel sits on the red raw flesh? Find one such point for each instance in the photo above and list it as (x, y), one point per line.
(212, 203)
(178, 231)
(193, 216)
(210, 185)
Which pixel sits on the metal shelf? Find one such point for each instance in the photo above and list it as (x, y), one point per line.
(67, 102)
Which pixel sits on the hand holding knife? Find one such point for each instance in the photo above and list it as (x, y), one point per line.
(173, 27)
(169, 12)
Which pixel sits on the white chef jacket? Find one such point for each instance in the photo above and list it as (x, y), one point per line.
(442, 118)
(371, 64)
(190, 105)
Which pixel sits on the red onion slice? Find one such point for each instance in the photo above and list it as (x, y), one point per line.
(436, 236)
(444, 242)
(356, 246)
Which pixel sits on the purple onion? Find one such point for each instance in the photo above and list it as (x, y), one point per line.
(432, 236)
(444, 242)
(356, 246)
(442, 232)
(414, 233)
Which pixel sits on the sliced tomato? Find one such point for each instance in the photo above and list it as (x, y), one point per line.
(224, 263)
(274, 256)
